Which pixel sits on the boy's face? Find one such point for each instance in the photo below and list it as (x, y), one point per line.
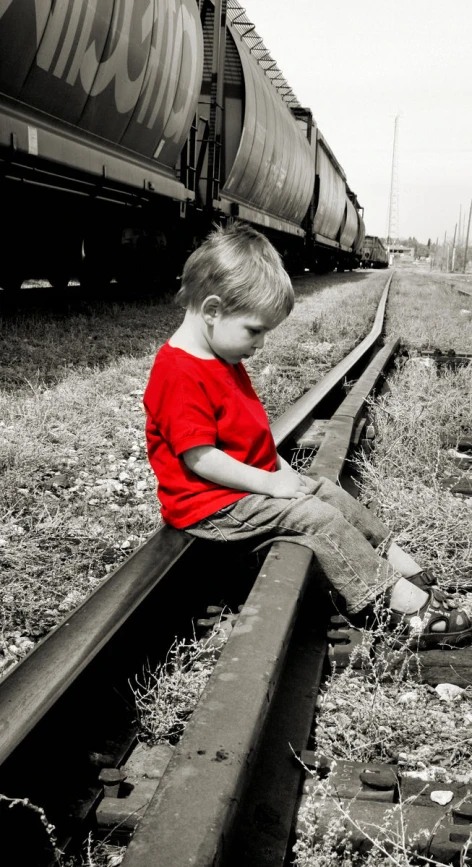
(236, 336)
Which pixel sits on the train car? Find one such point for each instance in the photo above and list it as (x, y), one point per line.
(128, 127)
(374, 254)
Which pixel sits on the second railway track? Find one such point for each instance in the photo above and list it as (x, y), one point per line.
(66, 711)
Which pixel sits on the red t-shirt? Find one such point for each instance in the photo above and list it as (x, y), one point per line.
(191, 402)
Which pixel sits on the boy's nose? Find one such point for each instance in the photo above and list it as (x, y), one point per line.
(259, 341)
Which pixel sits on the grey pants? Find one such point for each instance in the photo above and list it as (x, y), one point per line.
(342, 533)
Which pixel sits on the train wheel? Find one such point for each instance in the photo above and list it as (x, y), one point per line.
(10, 282)
(97, 264)
(59, 280)
(95, 276)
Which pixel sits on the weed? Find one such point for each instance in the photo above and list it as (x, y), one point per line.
(427, 313)
(167, 696)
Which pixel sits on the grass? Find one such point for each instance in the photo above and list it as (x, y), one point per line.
(76, 489)
(406, 471)
(427, 312)
(381, 713)
(323, 327)
(167, 696)
(78, 494)
(41, 347)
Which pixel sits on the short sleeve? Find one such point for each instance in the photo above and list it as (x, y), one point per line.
(179, 410)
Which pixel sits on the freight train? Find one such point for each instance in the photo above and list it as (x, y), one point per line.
(129, 127)
(374, 254)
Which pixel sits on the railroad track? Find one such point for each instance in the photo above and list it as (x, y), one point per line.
(66, 711)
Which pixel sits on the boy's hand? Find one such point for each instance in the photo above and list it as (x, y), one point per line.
(216, 466)
(287, 483)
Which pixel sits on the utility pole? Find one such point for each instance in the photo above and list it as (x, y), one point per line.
(467, 240)
(453, 257)
(392, 232)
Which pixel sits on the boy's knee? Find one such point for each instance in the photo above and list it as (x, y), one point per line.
(315, 513)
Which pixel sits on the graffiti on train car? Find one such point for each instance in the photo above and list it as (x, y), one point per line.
(139, 53)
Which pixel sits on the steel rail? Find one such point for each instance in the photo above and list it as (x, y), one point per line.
(332, 452)
(275, 783)
(41, 678)
(285, 426)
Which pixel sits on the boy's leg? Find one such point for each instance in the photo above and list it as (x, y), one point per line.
(402, 562)
(369, 525)
(353, 511)
(345, 555)
(349, 561)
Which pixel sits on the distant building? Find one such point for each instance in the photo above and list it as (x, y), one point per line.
(400, 250)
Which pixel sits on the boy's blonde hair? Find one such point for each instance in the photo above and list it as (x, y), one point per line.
(241, 266)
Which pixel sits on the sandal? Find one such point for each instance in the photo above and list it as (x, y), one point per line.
(417, 627)
(424, 579)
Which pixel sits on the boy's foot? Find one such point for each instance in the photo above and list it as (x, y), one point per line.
(430, 618)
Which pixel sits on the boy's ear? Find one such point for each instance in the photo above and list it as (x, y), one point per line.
(210, 307)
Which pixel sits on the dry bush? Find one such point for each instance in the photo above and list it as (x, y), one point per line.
(167, 695)
(404, 475)
(387, 845)
(379, 713)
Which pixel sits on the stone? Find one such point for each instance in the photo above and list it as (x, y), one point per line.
(442, 797)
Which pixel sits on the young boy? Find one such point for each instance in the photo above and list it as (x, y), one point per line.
(210, 445)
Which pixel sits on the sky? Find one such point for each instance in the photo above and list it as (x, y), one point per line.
(360, 63)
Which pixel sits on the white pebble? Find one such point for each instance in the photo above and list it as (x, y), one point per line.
(442, 797)
(449, 692)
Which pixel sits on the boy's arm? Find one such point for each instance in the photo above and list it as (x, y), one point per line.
(215, 465)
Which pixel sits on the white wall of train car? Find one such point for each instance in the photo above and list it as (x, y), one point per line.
(271, 178)
(104, 89)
